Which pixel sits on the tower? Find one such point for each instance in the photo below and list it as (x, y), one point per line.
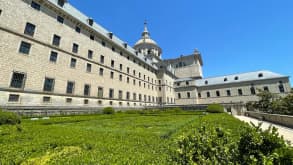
(147, 46)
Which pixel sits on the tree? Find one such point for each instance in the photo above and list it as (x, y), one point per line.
(265, 101)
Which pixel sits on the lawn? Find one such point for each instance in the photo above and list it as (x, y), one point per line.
(103, 139)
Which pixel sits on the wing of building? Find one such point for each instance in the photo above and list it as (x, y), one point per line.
(52, 55)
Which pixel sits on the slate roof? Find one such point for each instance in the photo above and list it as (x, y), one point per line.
(75, 13)
(236, 78)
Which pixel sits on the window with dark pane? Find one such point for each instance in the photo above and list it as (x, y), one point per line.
(56, 40)
(53, 56)
(86, 90)
(29, 29)
(36, 5)
(75, 48)
(13, 98)
(73, 63)
(90, 54)
(24, 47)
(18, 80)
(49, 84)
(60, 19)
(70, 87)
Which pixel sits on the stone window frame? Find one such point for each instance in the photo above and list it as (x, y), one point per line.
(22, 81)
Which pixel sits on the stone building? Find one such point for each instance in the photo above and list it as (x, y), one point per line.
(52, 55)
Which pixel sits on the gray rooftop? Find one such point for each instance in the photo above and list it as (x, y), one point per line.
(236, 78)
(69, 9)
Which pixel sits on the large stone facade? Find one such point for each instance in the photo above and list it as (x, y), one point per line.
(53, 55)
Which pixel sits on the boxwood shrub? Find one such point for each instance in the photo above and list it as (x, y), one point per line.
(215, 108)
(9, 118)
(108, 110)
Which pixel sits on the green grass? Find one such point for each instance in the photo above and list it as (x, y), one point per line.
(102, 139)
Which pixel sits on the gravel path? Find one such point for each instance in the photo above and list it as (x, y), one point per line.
(286, 132)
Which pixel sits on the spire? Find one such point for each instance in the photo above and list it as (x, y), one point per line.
(145, 34)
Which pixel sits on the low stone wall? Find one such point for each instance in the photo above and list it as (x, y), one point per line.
(284, 120)
(39, 111)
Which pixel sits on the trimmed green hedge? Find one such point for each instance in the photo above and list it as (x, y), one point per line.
(215, 108)
(108, 110)
(9, 118)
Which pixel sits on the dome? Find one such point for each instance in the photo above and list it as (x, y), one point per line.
(146, 45)
(145, 41)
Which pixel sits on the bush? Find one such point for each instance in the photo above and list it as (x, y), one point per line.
(9, 118)
(210, 145)
(108, 110)
(215, 108)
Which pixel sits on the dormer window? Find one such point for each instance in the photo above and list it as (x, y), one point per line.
(125, 45)
(225, 79)
(236, 78)
(110, 35)
(90, 21)
(61, 2)
(260, 75)
(206, 82)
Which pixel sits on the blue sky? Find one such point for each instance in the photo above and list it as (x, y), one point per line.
(233, 36)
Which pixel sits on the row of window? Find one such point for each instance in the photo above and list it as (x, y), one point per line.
(47, 99)
(25, 49)
(18, 81)
(30, 29)
(240, 92)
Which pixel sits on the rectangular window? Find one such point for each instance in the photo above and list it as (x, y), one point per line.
(139, 97)
(18, 80)
(111, 75)
(127, 95)
(112, 63)
(120, 94)
(87, 90)
(228, 93)
(240, 93)
(24, 47)
(133, 81)
(102, 59)
(36, 6)
(68, 100)
(134, 96)
(90, 54)
(13, 98)
(139, 74)
(179, 95)
(120, 67)
(85, 101)
(53, 56)
(128, 70)
(188, 94)
(49, 84)
(46, 99)
(133, 72)
(120, 77)
(218, 93)
(111, 93)
(29, 29)
(77, 29)
(92, 37)
(73, 63)
(70, 87)
(101, 72)
(88, 67)
(60, 19)
(75, 48)
(127, 80)
(208, 94)
(252, 90)
(100, 92)
(265, 88)
(56, 40)
(281, 88)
